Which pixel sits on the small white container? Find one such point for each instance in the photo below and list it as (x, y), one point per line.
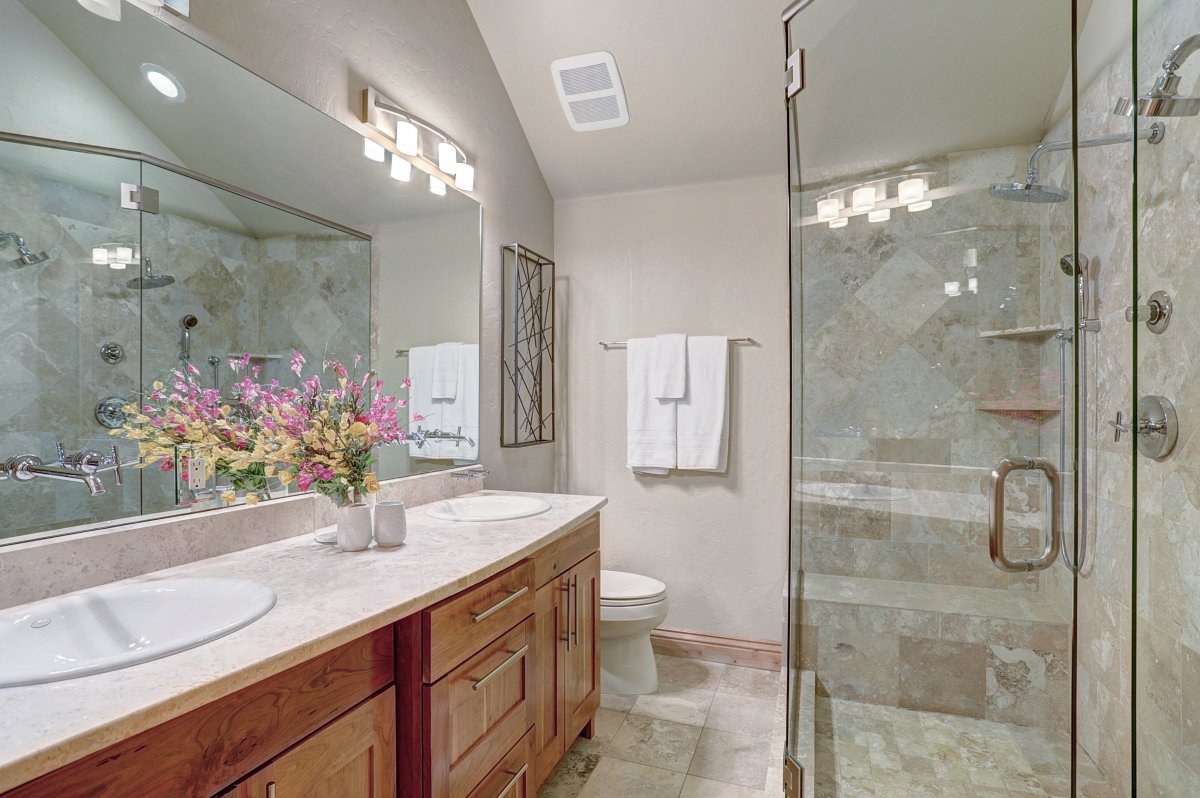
(354, 527)
(391, 523)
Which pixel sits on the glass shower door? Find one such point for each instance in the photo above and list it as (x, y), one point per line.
(936, 291)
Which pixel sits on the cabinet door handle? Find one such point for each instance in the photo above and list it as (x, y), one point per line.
(480, 617)
(515, 778)
(270, 789)
(514, 656)
(575, 590)
(566, 588)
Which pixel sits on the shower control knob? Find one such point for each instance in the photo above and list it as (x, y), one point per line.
(1118, 427)
(1157, 314)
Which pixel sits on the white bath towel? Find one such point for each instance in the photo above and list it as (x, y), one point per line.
(445, 370)
(650, 422)
(668, 366)
(703, 417)
(457, 416)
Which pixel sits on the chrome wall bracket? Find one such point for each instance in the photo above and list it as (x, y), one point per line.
(139, 198)
(1157, 314)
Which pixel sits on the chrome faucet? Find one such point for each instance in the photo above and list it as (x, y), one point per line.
(84, 466)
(479, 472)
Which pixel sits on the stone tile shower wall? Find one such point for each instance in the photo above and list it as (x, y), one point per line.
(902, 605)
(258, 295)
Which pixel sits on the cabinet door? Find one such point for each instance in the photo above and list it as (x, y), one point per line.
(353, 757)
(581, 696)
(549, 742)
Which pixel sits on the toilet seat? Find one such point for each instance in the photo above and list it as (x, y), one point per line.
(622, 589)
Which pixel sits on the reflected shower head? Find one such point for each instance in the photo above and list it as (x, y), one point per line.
(1028, 192)
(149, 279)
(24, 256)
(1164, 99)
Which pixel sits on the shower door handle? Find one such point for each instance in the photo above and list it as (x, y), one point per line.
(996, 515)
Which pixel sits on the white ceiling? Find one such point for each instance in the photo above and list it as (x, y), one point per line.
(704, 83)
(887, 81)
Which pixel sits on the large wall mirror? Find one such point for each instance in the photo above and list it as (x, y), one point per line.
(272, 234)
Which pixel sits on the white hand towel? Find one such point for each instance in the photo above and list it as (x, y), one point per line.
(650, 422)
(668, 369)
(703, 420)
(468, 402)
(445, 371)
(420, 395)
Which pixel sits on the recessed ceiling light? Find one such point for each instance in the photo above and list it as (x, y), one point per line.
(164, 82)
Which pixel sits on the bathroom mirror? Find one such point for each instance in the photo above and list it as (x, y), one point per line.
(262, 230)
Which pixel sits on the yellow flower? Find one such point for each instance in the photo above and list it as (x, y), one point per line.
(286, 477)
(229, 497)
(358, 429)
(251, 498)
(370, 482)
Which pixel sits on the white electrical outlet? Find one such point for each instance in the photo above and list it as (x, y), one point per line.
(197, 478)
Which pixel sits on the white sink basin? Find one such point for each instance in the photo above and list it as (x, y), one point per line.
(122, 625)
(488, 508)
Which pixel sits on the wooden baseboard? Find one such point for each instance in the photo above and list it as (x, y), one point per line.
(764, 654)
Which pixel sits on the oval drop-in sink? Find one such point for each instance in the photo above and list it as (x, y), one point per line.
(114, 627)
(488, 508)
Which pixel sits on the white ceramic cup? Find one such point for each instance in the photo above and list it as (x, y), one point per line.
(391, 523)
(354, 527)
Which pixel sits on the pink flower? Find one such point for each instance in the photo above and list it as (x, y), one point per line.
(298, 362)
(167, 464)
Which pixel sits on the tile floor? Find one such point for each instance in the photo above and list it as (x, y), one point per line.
(706, 733)
(866, 750)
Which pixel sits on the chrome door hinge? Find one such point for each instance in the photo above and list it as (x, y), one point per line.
(139, 198)
(793, 778)
(793, 74)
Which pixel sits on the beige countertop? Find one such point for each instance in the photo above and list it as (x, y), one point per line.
(325, 598)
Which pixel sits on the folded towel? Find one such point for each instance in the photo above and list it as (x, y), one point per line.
(703, 418)
(457, 416)
(445, 371)
(468, 403)
(668, 366)
(650, 422)
(420, 395)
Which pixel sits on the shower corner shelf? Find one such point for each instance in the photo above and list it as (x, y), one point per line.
(1022, 406)
(1041, 332)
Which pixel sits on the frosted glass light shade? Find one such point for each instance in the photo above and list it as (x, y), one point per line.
(118, 265)
(447, 157)
(973, 285)
(373, 150)
(841, 221)
(881, 215)
(100, 256)
(912, 190)
(953, 289)
(828, 209)
(401, 169)
(464, 177)
(124, 254)
(436, 186)
(109, 9)
(408, 138)
(923, 205)
(863, 199)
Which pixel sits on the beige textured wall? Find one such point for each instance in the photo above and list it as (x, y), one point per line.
(429, 56)
(702, 259)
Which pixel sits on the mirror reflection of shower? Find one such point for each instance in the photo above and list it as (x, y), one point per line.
(148, 279)
(25, 257)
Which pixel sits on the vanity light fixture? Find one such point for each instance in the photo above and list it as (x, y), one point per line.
(923, 205)
(437, 186)
(881, 215)
(841, 221)
(401, 169)
(115, 256)
(863, 199)
(108, 9)
(373, 150)
(164, 82)
(828, 209)
(911, 190)
(416, 141)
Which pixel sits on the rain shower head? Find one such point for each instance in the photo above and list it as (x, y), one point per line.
(1028, 192)
(24, 256)
(1164, 99)
(149, 279)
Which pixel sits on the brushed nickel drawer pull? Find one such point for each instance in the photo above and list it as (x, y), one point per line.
(480, 617)
(515, 778)
(270, 789)
(515, 655)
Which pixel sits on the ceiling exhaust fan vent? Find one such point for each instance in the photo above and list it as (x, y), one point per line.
(590, 91)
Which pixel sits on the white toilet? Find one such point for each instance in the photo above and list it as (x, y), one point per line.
(630, 606)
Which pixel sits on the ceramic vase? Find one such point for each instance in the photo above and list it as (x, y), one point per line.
(354, 527)
(391, 523)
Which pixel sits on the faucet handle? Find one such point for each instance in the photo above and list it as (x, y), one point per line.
(1118, 427)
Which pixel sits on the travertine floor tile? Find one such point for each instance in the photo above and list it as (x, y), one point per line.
(692, 673)
(741, 714)
(608, 722)
(733, 758)
(752, 682)
(696, 787)
(680, 704)
(618, 703)
(616, 778)
(659, 743)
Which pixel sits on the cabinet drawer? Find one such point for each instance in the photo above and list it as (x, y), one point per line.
(510, 778)
(568, 550)
(478, 712)
(461, 625)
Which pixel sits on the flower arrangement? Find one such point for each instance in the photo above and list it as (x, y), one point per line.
(318, 437)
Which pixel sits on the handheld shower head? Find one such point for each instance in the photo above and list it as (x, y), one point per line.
(24, 256)
(1164, 99)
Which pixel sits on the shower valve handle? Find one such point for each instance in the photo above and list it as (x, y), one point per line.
(1118, 427)
(1156, 314)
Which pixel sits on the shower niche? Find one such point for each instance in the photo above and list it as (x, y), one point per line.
(114, 297)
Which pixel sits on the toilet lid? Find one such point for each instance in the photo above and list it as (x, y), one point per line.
(622, 586)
